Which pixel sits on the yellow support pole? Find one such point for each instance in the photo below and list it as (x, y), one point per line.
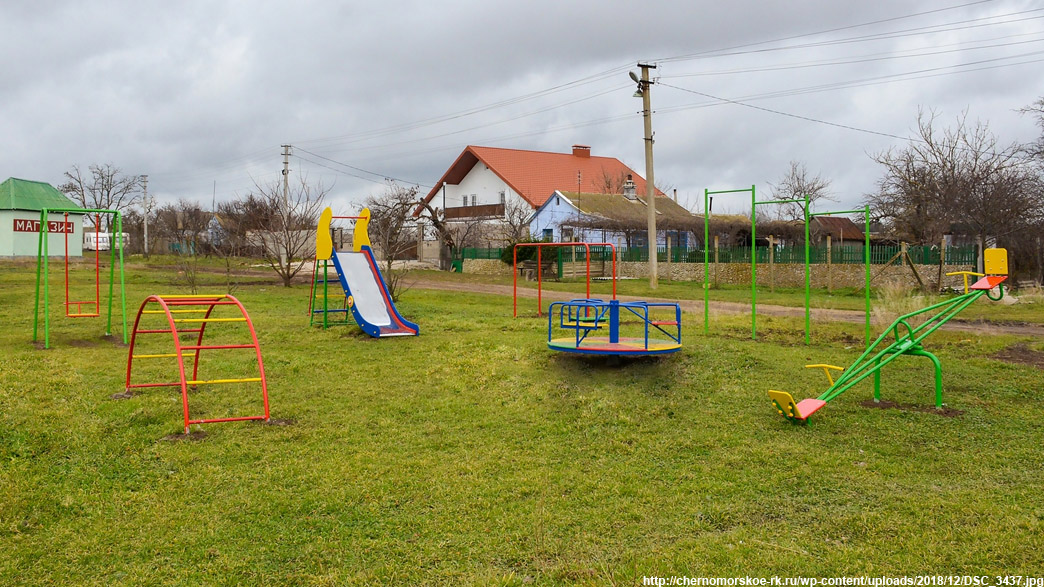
(210, 320)
(826, 369)
(159, 356)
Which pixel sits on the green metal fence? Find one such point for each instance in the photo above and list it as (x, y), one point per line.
(879, 255)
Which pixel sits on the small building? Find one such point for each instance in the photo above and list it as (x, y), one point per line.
(621, 219)
(21, 202)
(843, 232)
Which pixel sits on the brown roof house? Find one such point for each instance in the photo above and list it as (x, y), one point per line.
(842, 231)
(618, 218)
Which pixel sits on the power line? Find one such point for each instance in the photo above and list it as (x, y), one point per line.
(854, 60)
(720, 52)
(384, 177)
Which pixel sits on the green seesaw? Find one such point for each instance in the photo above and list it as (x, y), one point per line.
(906, 340)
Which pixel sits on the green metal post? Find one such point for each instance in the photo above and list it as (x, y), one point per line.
(46, 296)
(866, 265)
(706, 261)
(36, 305)
(113, 243)
(123, 282)
(753, 269)
(808, 283)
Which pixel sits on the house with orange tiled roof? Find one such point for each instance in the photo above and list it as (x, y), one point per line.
(485, 182)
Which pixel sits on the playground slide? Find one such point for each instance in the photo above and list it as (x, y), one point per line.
(368, 296)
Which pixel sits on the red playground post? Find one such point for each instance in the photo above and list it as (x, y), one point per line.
(539, 247)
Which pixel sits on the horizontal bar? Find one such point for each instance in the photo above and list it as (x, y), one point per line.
(838, 212)
(166, 297)
(801, 201)
(245, 380)
(94, 315)
(729, 192)
(218, 346)
(210, 320)
(136, 385)
(159, 356)
(240, 419)
(198, 303)
(200, 311)
(165, 331)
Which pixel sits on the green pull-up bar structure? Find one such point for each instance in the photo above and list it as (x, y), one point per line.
(754, 203)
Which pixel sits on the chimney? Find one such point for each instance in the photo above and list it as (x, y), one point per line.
(629, 190)
(582, 151)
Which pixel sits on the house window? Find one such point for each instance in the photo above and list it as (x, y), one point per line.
(474, 199)
(549, 234)
(503, 197)
(567, 235)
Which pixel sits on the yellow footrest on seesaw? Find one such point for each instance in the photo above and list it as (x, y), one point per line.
(799, 411)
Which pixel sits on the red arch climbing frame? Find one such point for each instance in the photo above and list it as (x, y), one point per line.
(169, 305)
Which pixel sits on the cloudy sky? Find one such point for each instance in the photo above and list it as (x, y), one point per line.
(200, 95)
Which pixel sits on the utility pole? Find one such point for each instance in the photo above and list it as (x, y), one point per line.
(286, 176)
(644, 86)
(284, 254)
(145, 204)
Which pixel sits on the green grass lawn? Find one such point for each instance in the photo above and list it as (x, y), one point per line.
(472, 454)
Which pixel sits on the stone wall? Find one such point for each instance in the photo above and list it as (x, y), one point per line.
(793, 274)
(486, 267)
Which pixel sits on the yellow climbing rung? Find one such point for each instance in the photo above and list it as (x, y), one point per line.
(246, 380)
(210, 319)
(160, 356)
(203, 311)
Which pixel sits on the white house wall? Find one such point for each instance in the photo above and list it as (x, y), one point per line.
(479, 182)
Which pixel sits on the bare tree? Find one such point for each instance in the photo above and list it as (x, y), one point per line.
(184, 224)
(1036, 148)
(960, 178)
(283, 225)
(609, 183)
(795, 184)
(103, 187)
(393, 230)
(517, 215)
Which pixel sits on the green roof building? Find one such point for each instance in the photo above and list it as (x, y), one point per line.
(20, 204)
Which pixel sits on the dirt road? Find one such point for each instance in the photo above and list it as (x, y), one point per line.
(696, 307)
